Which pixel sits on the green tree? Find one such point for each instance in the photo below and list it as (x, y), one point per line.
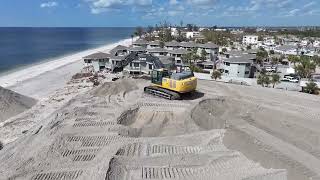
(216, 74)
(261, 56)
(316, 60)
(203, 56)
(186, 58)
(293, 59)
(305, 67)
(263, 79)
(274, 61)
(275, 79)
(139, 31)
(161, 44)
(271, 51)
(249, 47)
(311, 88)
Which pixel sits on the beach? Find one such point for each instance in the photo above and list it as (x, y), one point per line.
(40, 80)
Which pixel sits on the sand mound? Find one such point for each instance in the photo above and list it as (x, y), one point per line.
(112, 88)
(210, 113)
(12, 103)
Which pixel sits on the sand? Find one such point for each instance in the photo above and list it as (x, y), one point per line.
(12, 103)
(115, 131)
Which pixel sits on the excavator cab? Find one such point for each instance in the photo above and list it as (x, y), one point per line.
(158, 75)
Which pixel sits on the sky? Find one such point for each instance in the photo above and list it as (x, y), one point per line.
(131, 13)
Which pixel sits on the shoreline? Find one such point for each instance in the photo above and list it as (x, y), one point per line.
(24, 74)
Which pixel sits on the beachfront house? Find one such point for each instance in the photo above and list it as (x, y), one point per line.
(143, 64)
(138, 49)
(97, 60)
(120, 51)
(153, 44)
(140, 43)
(158, 51)
(238, 67)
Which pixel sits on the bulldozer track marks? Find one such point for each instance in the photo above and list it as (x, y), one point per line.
(67, 153)
(134, 149)
(93, 141)
(63, 175)
(84, 157)
(150, 104)
(97, 124)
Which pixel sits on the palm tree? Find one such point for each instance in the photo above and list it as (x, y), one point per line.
(293, 59)
(305, 67)
(139, 31)
(275, 79)
(216, 74)
(311, 88)
(132, 39)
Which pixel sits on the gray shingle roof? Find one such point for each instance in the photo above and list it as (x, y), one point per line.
(98, 55)
(173, 44)
(208, 45)
(157, 50)
(188, 44)
(285, 47)
(154, 43)
(135, 49)
(166, 59)
(140, 42)
(239, 60)
(117, 58)
(179, 51)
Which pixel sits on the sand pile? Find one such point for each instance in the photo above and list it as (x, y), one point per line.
(12, 103)
(112, 88)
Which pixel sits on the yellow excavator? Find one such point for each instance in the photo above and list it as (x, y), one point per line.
(171, 86)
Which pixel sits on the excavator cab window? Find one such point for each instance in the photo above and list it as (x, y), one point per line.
(156, 76)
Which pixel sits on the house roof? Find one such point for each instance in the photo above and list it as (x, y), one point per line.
(117, 48)
(238, 60)
(137, 49)
(154, 43)
(157, 50)
(117, 58)
(208, 45)
(140, 42)
(98, 55)
(188, 44)
(173, 43)
(166, 59)
(179, 51)
(285, 47)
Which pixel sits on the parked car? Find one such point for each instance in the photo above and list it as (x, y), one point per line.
(290, 79)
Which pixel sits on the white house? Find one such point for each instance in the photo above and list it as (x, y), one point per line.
(287, 50)
(192, 34)
(174, 32)
(97, 60)
(250, 40)
(269, 41)
(238, 67)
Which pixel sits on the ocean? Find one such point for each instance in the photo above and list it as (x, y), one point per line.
(21, 47)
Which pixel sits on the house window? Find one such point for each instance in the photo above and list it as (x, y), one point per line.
(226, 71)
(178, 55)
(247, 72)
(227, 64)
(135, 64)
(178, 61)
(101, 60)
(130, 64)
(150, 66)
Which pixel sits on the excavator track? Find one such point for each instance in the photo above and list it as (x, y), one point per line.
(161, 92)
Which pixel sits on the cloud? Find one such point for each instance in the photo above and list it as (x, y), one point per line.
(98, 6)
(49, 4)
